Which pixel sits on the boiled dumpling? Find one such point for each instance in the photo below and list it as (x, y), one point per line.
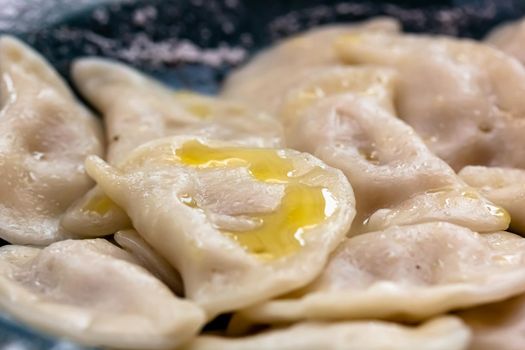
(137, 109)
(509, 37)
(497, 326)
(407, 273)
(45, 136)
(465, 99)
(240, 224)
(266, 78)
(503, 186)
(446, 333)
(131, 241)
(94, 293)
(345, 117)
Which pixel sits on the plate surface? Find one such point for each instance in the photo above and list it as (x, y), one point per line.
(192, 44)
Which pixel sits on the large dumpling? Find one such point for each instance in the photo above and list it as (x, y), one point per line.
(497, 326)
(94, 293)
(45, 136)
(266, 78)
(509, 37)
(240, 224)
(446, 333)
(465, 99)
(137, 109)
(345, 117)
(503, 186)
(408, 273)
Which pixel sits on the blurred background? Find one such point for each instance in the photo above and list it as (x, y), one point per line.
(193, 44)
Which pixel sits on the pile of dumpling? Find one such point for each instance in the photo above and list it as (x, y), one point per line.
(353, 187)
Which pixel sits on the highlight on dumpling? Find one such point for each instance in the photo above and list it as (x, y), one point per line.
(351, 187)
(240, 224)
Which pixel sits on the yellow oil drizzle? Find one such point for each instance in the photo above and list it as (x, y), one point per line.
(302, 206)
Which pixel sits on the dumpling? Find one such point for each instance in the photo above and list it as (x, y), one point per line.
(45, 136)
(445, 333)
(345, 117)
(509, 37)
(240, 224)
(405, 273)
(137, 109)
(265, 79)
(465, 99)
(503, 186)
(497, 326)
(94, 293)
(131, 241)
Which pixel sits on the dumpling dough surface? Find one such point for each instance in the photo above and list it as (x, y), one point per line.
(240, 224)
(266, 78)
(345, 116)
(498, 326)
(510, 38)
(93, 292)
(45, 136)
(503, 186)
(446, 333)
(408, 273)
(137, 109)
(465, 99)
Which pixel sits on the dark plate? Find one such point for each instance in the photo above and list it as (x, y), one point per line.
(193, 44)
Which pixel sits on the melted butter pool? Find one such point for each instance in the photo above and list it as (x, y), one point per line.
(302, 207)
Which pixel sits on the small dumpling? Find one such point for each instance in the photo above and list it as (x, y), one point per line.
(131, 241)
(137, 109)
(94, 293)
(503, 186)
(509, 37)
(445, 333)
(45, 136)
(465, 99)
(497, 326)
(345, 116)
(240, 224)
(405, 273)
(266, 78)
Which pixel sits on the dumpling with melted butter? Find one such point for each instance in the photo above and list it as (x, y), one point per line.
(137, 109)
(266, 78)
(509, 37)
(503, 186)
(94, 293)
(45, 136)
(345, 116)
(438, 334)
(405, 273)
(465, 99)
(240, 224)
